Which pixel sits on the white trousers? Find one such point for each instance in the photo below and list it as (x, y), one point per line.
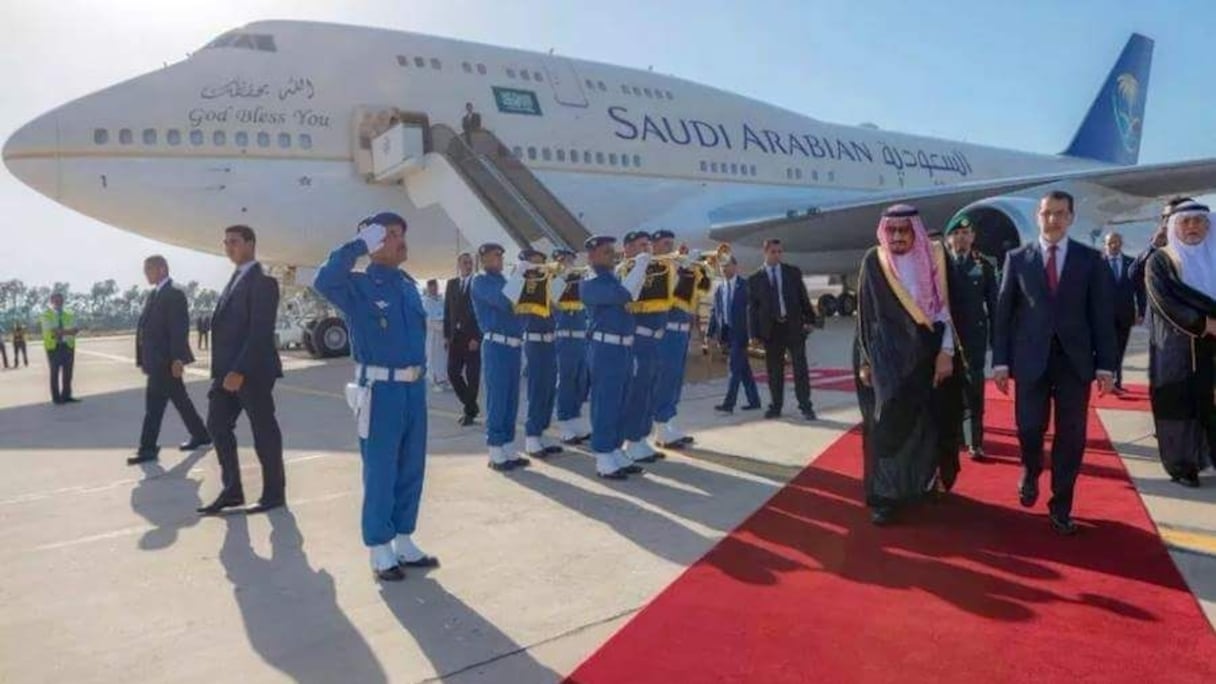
(436, 357)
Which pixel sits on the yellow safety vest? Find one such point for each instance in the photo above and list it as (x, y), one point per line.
(50, 322)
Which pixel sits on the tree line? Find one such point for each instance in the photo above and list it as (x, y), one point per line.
(103, 307)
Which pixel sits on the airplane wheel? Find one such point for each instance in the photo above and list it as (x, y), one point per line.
(306, 338)
(330, 338)
(848, 304)
(827, 305)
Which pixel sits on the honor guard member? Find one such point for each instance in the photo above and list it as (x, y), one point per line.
(973, 289)
(387, 325)
(650, 309)
(540, 354)
(494, 299)
(570, 326)
(690, 282)
(610, 338)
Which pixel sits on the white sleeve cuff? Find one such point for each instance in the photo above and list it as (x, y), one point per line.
(513, 288)
(997, 369)
(634, 281)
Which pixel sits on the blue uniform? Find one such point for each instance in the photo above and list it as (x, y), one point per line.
(387, 325)
(500, 355)
(610, 363)
(573, 380)
(542, 370)
(650, 329)
(673, 357)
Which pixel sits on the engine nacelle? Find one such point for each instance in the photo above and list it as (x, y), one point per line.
(1003, 223)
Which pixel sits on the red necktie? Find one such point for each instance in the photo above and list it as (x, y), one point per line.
(1053, 276)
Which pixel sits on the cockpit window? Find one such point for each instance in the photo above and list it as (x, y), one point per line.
(247, 41)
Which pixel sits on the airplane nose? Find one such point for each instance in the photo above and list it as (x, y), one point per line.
(32, 154)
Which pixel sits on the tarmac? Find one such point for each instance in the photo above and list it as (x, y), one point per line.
(110, 575)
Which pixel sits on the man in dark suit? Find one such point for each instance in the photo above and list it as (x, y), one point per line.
(244, 367)
(162, 350)
(728, 325)
(1129, 300)
(780, 316)
(1055, 333)
(471, 121)
(462, 338)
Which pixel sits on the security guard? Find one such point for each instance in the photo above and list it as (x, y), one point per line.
(690, 282)
(387, 325)
(610, 339)
(494, 299)
(650, 309)
(59, 339)
(536, 313)
(973, 293)
(570, 322)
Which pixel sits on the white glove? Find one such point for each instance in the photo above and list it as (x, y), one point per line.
(373, 236)
(637, 277)
(516, 269)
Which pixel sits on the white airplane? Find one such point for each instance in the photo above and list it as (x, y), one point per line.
(300, 129)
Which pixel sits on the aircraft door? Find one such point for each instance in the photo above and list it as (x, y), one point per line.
(567, 89)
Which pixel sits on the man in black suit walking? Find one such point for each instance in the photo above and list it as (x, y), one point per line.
(244, 367)
(780, 316)
(162, 350)
(462, 338)
(1055, 332)
(1129, 300)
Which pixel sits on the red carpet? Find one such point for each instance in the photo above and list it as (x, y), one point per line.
(975, 589)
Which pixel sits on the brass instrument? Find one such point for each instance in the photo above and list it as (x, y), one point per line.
(670, 257)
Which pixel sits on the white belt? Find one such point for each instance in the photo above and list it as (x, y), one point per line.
(570, 333)
(382, 374)
(613, 338)
(502, 339)
(679, 327)
(538, 337)
(650, 332)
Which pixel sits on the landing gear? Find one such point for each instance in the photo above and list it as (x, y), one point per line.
(328, 339)
(828, 305)
(306, 339)
(847, 304)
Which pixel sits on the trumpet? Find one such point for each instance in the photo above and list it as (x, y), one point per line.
(714, 259)
(670, 257)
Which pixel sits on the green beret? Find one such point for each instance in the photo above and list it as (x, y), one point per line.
(960, 221)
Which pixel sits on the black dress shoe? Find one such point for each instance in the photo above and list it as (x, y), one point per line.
(143, 456)
(723, 408)
(552, 449)
(261, 507)
(501, 467)
(519, 462)
(1062, 524)
(195, 443)
(809, 414)
(72, 400)
(772, 413)
(1028, 491)
(978, 455)
(465, 421)
(751, 407)
(881, 517)
(424, 562)
(393, 574)
(224, 501)
(618, 474)
(1191, 480)
(632, 469)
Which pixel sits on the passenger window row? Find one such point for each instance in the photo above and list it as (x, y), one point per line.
(420, 62)
(653, 93)
(794, 173)
(197, 138)
(731, 169)
(578, 156)
(596, 85)
(525, 75)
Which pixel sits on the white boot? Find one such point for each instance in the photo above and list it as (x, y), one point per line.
(626, 464)
(498, 458)
(383, 557)
(409, 554)
(607, 466)
(668, 435)
(566, 431)
(640, 451)
(533, 447)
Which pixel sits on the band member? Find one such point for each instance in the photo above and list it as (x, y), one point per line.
(650, 310)
(610, 338)
(972, 305)
(536, 314)
(570, 322)
(494, 299)
(690, 282)
(728, 325)
(387, 325)
(903, 354)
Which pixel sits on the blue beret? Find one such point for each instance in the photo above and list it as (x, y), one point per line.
(529, 253)
(388, 218)
(490, 247)
(597, 240)
(562, 252)
(662, 234)
(363, 223)
(633, 235)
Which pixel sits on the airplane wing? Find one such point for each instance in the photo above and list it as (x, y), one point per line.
(939, 204)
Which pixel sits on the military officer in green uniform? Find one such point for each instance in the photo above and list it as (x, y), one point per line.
(973, 289)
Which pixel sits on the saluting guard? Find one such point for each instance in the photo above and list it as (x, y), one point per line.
(570, 326)
(494, 300)
(691, 281)
(610, 338)
(536, 314)
(387, 327)
(650, 309)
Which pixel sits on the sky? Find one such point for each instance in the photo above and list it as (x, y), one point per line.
(1019, 75)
